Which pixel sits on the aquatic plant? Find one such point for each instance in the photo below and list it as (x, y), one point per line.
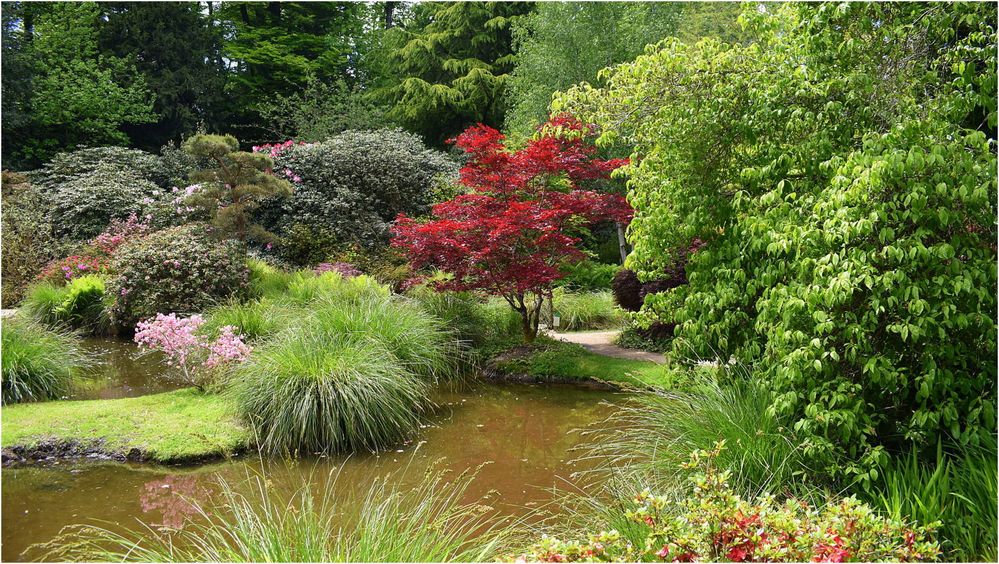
(387, 523)
(37, 363)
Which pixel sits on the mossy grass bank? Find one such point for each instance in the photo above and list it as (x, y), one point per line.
(181, 426)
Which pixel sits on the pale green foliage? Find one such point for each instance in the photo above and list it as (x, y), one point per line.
(560, 44)
(321, 110)
(841, 171)
(79, 95)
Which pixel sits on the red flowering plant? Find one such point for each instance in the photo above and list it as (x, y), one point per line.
(713, 524)
(517, 225)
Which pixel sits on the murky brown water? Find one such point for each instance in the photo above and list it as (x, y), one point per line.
(525, 432)
(121, 370)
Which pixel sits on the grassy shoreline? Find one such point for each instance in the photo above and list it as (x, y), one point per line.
(179, 426)
(551, 361)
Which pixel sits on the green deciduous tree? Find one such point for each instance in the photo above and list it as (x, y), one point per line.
(273, 47)
(841, 171)
(78, 95)
(448, 66)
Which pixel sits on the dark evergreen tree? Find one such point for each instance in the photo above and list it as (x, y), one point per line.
(177, 50)
(446, 67)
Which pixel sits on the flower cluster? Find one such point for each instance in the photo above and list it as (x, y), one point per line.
(274, 150)
(118, 232)
(715, 525)
(178, 339)
(63, 270)
(344, 269)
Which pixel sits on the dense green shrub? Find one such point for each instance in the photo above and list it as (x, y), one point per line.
(28, 242)
(232, 186)
(177, 270)
(84, 205)
(84, 306)
(848, 214)
(355, 183)
(38, 363)
(73, 165)
(588, 276)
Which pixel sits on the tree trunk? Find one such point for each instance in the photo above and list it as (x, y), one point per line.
(389, 10)
(622, 243)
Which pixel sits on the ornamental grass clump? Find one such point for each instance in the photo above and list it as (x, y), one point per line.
(585, 310)
(38, 363)
(385, 523)
(351, 370)
(309, 390)
(648, 440)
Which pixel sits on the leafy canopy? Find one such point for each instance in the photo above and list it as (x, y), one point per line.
(840, 170)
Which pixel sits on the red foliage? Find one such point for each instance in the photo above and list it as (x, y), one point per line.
(511, 232)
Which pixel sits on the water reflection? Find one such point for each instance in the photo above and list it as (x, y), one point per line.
(526, 433)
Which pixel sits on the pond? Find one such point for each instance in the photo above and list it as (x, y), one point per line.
(525, 434)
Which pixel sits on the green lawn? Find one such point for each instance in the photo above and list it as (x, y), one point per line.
(556, 360)
(170, 427)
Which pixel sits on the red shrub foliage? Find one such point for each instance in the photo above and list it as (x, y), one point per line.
(510, 234)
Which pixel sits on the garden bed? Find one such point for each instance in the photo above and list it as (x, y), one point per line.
(175, 427)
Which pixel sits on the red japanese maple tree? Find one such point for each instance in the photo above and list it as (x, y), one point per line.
(514, 229)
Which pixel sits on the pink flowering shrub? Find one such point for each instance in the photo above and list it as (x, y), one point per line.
(274, 150)
(345, 269)
(119, 232)
(59, 272)
(193, 354)
(714, 525)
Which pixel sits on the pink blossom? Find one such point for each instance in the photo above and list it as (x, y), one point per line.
(229, 347)
(177, 338)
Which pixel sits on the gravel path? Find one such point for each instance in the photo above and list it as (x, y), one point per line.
(602, 343)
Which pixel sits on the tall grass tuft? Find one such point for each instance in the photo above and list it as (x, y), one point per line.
(585, 310)
(428, 523)
(37, 363)
(266, 281)
(479, 324)
(311, 391)
(959, 490)
(650, 439)
(418, 342)
(254, 320)
(306, 287)
(41, 301)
